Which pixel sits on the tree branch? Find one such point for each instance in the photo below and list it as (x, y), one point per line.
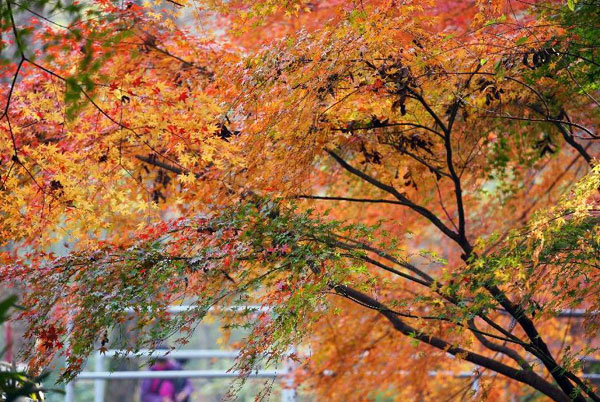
(361, 200)
(526, 377)
(499, 348)
(403, 200)
(152, 161)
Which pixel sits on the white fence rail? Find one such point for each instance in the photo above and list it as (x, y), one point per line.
(100, 375)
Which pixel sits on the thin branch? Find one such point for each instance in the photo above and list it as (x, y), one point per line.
(499, 348)
(429, 110)
(363, 200)
(383, 125)
(387, 256)
(371, 261)
(403, 200)
(12, 88)
(549, 120)
(437, 186)
(174, 169)
(14, 29)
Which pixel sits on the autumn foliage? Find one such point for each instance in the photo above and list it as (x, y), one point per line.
(410, 187)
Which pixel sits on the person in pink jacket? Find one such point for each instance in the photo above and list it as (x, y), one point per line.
(166, 389)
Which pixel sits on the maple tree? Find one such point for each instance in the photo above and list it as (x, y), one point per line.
(410, 187)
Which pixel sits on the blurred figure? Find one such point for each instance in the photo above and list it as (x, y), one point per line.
(166, 389)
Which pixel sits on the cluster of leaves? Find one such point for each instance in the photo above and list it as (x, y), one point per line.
(575, 64)
(213, 263)
(16, 384)
(63, 92)
(559, 249)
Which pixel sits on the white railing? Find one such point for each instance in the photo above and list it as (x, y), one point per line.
(100, 375)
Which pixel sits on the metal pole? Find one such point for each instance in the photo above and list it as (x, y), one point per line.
(288, 395)
(69, 387)
(476, 386)
(288, 392)
(189, 354)
(70, 392)
(129, 375)
(99, 384)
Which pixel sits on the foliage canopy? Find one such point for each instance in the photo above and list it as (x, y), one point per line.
(409, 186)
